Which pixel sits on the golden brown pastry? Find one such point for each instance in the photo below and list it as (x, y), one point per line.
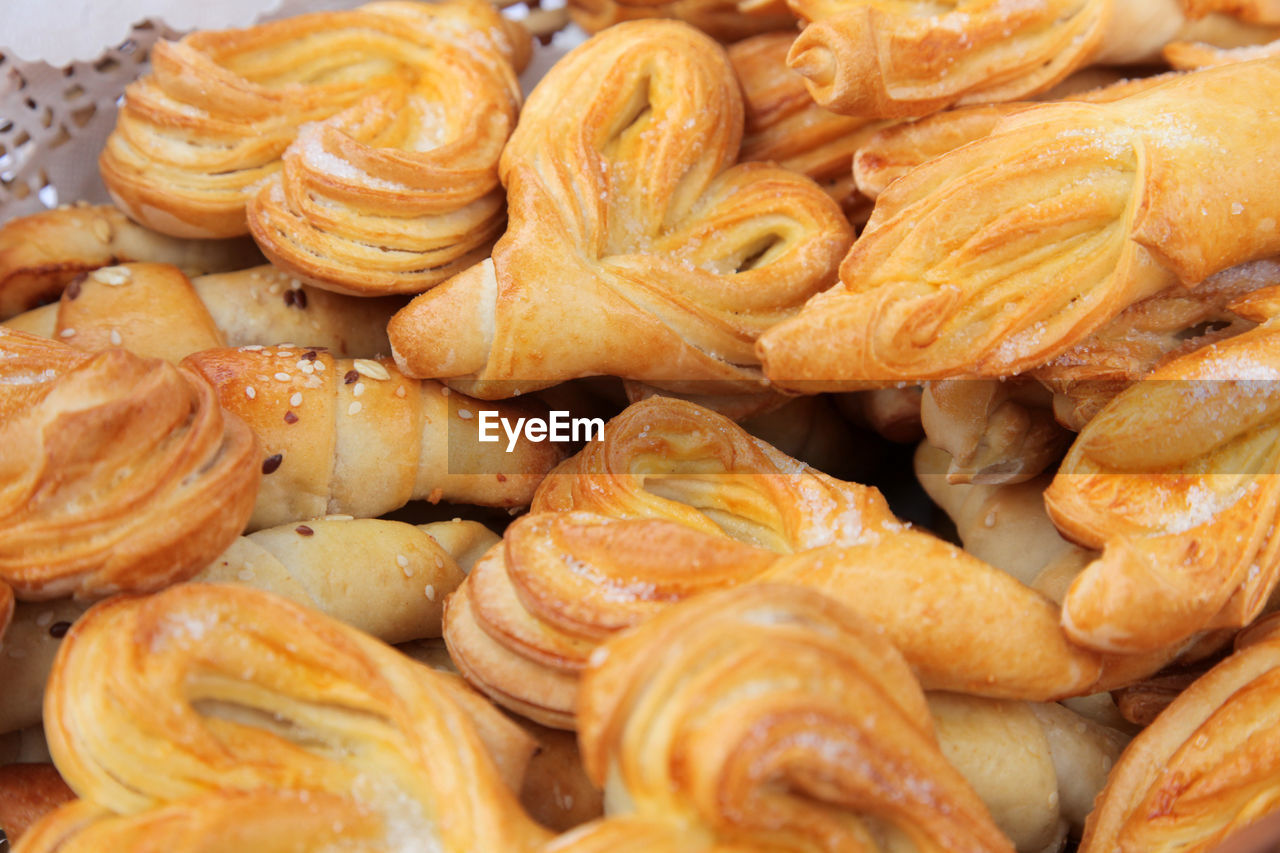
(356, 437)
(400, 191)
(1174, 481)
(273, 725)
(785, 126)
(40, 254)
(769, 718)
(635, 248)
(204, 132)
(557, 792)
(6, 607)
(726, 20)
(893, 413)
(1005, 253)
(1187, 56)
(895, 58)
(155, 311)
(995, 431)
(117, 473)
(27, 793)
(1204, 769)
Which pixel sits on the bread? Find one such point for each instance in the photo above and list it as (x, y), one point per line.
(119, 473)
(40, 254)
(275, 724)
(27, 793)
(635, 247)
(898, 59)
(356, 437)
(155, 311)
(1003, 254)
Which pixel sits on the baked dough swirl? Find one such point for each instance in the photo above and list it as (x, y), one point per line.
(119, 473)
(635, 247)
(280, 729)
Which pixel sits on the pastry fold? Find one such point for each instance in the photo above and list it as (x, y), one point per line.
(357, 437)
(117, 473)
(896, 58)
(1000, 255)
(635, 247)
(274, 724)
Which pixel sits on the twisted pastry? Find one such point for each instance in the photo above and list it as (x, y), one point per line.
(1174, 482)
(635, 247)
(724, 20)
(1003, 254)
(27, 793)
(1205, 768)
(277, 726)
(357, 437)
(785, 126)
(40, 254)
(400, 191)
(154, 311)
(893, 58)
(118, 473)
(204, 132)
(769, 718)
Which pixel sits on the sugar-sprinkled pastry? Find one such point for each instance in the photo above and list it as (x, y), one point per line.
(119, 473)
(275, 725)
(357, 437)
(1002, 254)
(636, 247)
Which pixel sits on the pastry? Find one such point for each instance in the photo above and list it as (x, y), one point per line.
(635, 247)
(155, 311)
(356, 437)
(726, 20)
(40, 254)
(1203, 769)
(202, 135)
(27, 793)
(272, 725)
(1190, 55)
(893, 58)
(892, 413)
(769, 718)
(1174, 482)
(119, 473)
(1002, 254)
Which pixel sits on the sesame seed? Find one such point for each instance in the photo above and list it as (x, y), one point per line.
(245, 574)
(116, 340)
(251, 348)
(102, 230)
(67, 333)
(402, 560)
(431, 592)
(303, 530)
(310, 355)
(354, 408)
(271, 463)
(250, 392)
(370, 369)
(465, 414)
(284, 353)
(45, 619)
(444, 391)
(58, 630)
(73, 289)
(358, 390)
(400, 391)
(290, 418)
(296, 399)
(439, 562)
(282, 377)
(339, 517)
(274, 289)
(349, 377)
(320, 365)
(306, 366)
(113, 276)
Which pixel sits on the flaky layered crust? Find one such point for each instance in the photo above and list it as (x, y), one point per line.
(893, 58)
(278, 716)
(1004, 253)
(357, 437)
(1204, 769)
(770, 718)
(203, 134)
(119, 473)
(726, 20)
(635, 247)
(1174, 481)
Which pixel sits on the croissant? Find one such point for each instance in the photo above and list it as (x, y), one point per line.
(769, 718)
(894, 58)
(119, 473)
(271, 725)
(726, 20)
(1174, 481)
(155, 311)
(356, 437)
(202, 135)
(1205, 768)
(27, 793)
(635, 248)
(1003, 254)
(386, 578)
(40, 254)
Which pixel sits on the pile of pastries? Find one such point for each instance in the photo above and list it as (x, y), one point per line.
(935, 510)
